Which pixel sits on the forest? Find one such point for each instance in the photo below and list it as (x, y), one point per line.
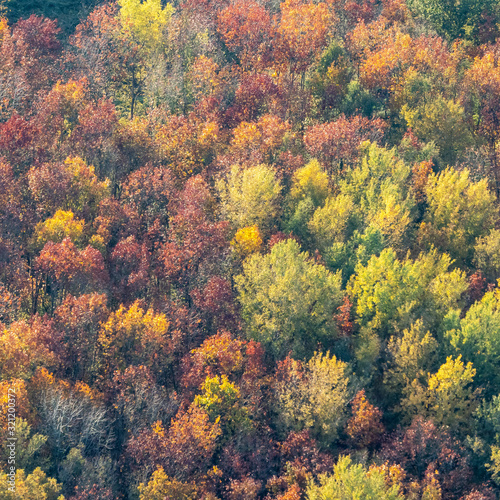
(250, 250)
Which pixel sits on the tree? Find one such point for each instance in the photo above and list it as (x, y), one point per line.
(98, 51)
(411, 357)
(61, 269)
(57, 118)
(287, 301)
(71, 416)
(140, 400)
(197, 247)
(247, 240)
(25, 347)
(113, 223)
(221, 400)
(130, 264)
(77, 190)
(250, 196)
(259, 142)
(311, 182)
(330, 79)
(301, 33)
(336, 143)
(142, 24)
(453, 19)
(222, 358)
(29, 446)
(145, 21)
(309, 191)
(95, 491)
(451, 136)
(133, 336)
(255, 95)
(448, 398)
(313, 396)
(57, 228)
(184, 451)
(459, 211)
(247, 31)
(148, 192)
(423, 448)
(30, 486)
(99, 140)
(220, 354)
(379, 176)
(77, 323)
(351, 480)
(487, 255)
(388, 292)
(160, 486)
(334, 222)
(29, 51)
(477, 339)
(480, 97)
(187, 144)
(364, 427)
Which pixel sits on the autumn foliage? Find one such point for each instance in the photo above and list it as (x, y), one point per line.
(250, 250)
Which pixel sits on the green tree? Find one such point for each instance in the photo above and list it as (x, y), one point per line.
(477, 339)
(333, 222)
(487, 255)
(313, 395)
(411, 357)
(379, 172)
(28, 445)
(352, 481)
(311, 182)
(143, 24)
(222, 401)
(448, 399)
(288, 302)
(389, 293)
(345, 256)
(459, 211)
(487, 417)
(250, 197)
(309, 191)
(453, 18)
(379, 189)
(442, 121)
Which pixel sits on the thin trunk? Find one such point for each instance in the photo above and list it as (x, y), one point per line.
(494, 162)
(132, 104)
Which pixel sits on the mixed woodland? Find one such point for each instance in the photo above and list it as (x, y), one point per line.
(249, 250)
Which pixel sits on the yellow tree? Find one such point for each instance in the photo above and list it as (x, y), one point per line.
(250, 197)
(160, 486)
(133, 335)
(313, 395)
(62, 225)
(459, 211)
(30, 486)
(448, 398)
(143, 24)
